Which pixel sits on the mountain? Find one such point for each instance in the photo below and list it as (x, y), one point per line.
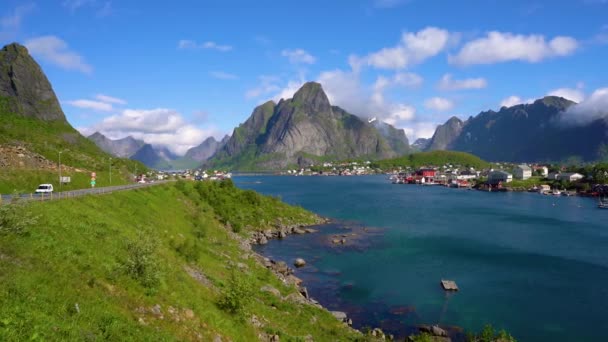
(34, 131)
(421, 144)
(445, 134)
(395, 138)
(206, 149)
(123, 148)
(152, 157)
(303, 130)
(24, 88)
(524, 133)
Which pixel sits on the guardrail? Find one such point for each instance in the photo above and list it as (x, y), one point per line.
(6, 199)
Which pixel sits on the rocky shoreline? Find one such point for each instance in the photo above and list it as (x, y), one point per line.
(286, 274)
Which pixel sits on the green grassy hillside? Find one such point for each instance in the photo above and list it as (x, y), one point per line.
(48, 138)
(433, 158)
(151, 264)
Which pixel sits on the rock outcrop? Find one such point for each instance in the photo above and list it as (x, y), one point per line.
(24, 88)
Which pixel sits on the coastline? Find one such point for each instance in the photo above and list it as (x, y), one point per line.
(282, 270)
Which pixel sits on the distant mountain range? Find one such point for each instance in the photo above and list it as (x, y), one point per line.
(157, 157)
(304, 130)
(524, 133)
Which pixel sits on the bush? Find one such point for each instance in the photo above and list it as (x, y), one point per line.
(15, 218)
(488, 334)
(237, 295)
(142, 264)
(189, 249)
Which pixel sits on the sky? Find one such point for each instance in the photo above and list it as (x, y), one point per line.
(175, 74)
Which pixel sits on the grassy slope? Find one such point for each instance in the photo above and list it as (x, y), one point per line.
(77, 251)
(47, 139)
(433, 158)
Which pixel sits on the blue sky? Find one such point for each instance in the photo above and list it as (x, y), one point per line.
(175, 74)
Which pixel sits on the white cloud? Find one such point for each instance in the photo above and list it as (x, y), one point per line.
(267, 84)
(593, 108)
(159, 126)
(448, 83)
(344, 89)
(403, 79)
(298, 56)
(191, 44)
(514, 100)
(56, 51)
(418, 130)
(223, 75)
(90, 104)
(575, 95)
(499, 47)
(439, 104)
(12, 22)
(399, 114)
(110, 99)
(413, 48)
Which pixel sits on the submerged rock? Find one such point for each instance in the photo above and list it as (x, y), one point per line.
(299, 262)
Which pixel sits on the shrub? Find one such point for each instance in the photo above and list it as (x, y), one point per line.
(488, 334)
(237, 294)
(141, 263)
(189, 249)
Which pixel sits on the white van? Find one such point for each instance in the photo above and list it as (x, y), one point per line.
(44, 188)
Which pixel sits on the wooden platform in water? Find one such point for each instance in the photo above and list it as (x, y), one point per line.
(449, 285)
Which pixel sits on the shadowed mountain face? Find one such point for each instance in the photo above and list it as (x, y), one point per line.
(124, 148)
(445, 134)
(206, 149)
(305, 130)
(525, 132)
(421, 144)
(24, 88)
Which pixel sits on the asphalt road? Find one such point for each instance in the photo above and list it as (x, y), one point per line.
(78, 193)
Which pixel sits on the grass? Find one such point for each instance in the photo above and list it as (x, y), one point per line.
(432, 158)
(48, 138)
(526, 184)
(112, 267)
(26, 181)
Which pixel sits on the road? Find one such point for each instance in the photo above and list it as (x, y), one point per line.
(4, 199)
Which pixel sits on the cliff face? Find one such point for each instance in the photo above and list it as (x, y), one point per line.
(24, 88)
(524, 133)
(446, 134)
(304, 130)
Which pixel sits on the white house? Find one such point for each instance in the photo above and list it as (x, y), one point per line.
(570, 176)
(522, 171)
(544, 171)
(496, 177)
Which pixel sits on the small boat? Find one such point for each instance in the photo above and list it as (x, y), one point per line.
(603, 203)
(556, 192)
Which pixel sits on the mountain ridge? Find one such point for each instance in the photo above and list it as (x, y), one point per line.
(303, 130)
(524, 133)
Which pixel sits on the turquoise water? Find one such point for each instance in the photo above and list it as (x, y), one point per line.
(534, 265)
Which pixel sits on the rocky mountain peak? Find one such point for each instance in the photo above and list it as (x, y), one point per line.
(24, 89)
(312, 94)
(555, 101)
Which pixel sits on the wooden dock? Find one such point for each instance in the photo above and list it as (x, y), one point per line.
(449, 285)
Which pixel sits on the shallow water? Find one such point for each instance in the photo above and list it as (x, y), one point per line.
(534, 265)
